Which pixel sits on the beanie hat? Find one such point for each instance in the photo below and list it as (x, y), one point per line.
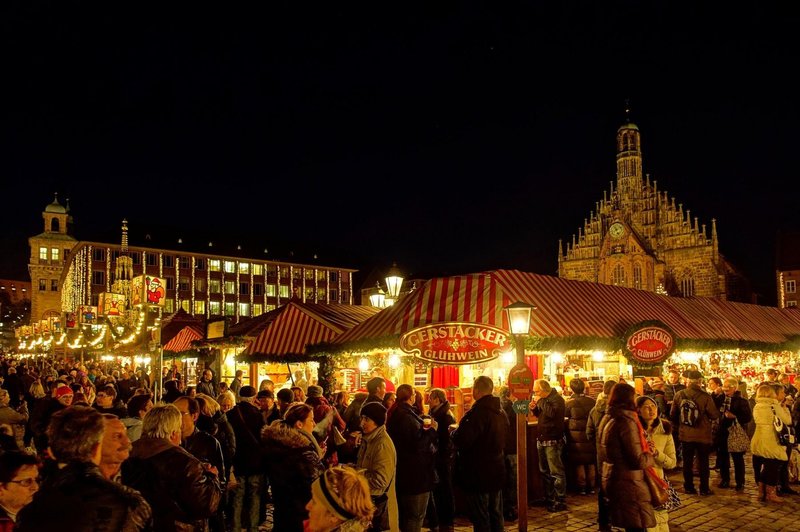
(314, 391)
(63, 390)
(321, 492)
(247, 391)
(375, 411)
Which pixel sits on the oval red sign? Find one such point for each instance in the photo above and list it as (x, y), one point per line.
(455, 343)
(650, 344)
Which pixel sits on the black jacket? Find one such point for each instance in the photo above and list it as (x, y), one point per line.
(580, 450)
(738, 407)
(479, 442)
(219, 427)
(79, 498)
(670, 390)
(183, 495)
(416, 449)
(247, 422)
(511, 434)
(550, 412)
(444, 453)
(206, 448)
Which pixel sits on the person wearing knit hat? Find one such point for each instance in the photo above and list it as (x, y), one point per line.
(64, 395)
(247, 392)
(378, 457)
(340, 501)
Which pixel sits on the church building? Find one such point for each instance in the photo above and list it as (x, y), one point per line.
(638, 237)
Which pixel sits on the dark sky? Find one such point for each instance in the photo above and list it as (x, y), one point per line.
(447, 136)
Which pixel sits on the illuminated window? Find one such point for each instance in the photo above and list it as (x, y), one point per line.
(258, 309)
(200, 285)
(284, 291)
(213, 286)
(213, 265)
(199, 307)
(185, 305)
(297, 273)
(271, 290)
(230, 287)
(284, 272)
(618, 276)
(214, 308)
(637, 276)
(244, 309)
(54, 285)
(258, 269)
(309, 293)
(321, 294)
(230, 266)
(791, 287)
(169, 306)
(42, 253)
(309, 275)
(230, 309)
(791, 303)
(270, 308)
(321, 275)
(244, 267)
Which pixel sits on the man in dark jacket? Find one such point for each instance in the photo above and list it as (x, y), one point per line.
(510, 489)
(732, 407)
(183, 492)
(207, 384)
(77, 492)
(416, 447)
(480, 470)
(444, 505)
(248, 462)
(549, 408)
(376, 387)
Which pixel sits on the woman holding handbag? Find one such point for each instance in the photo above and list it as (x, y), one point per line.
(731, 437)
(660, 433)
(768, 453)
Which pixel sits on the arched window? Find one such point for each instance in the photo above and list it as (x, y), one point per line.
(54, 225)
(618, 276)
(687, 286)
(637, 276)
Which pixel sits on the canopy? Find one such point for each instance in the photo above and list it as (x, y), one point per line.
(183, 340)
(571, 314)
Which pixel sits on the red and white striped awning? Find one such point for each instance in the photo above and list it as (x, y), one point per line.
(183, 340)
(296, 325)
(566, 308)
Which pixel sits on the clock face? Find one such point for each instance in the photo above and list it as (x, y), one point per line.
(616, 230)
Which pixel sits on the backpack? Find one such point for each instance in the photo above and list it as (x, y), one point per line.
(690, 413)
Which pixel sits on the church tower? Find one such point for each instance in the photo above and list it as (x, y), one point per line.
(629, 162)
(49, 252)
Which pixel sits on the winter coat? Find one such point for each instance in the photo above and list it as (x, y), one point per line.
(352, 415)
(293, 464)
(549, 412)
(209, 388)
(580, 449)
(479, 441)
(661, 435)
(671, 390)
(206, 448)
(511, 433)
(40, 418)
(740, 408)
(323, 409)
(183, 495)
(701, 431)
(10, 416)
(444, 454)
(79, 498)
(765, 439)
(619, 450)
(416, 449)
(247, 423)
(377, 456)
(595, 416)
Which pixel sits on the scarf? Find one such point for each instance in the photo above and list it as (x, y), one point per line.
(650, 471)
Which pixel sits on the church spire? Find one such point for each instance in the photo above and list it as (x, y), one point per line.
(629, 160)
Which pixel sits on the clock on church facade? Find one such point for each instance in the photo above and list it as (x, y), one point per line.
(638, 237)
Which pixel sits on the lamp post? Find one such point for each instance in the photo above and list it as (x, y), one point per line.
(520, 382)
(394, 282)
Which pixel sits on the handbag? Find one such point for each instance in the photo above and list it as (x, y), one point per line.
(785, 432)
(673, 502)
(659, 495)
(738, 442)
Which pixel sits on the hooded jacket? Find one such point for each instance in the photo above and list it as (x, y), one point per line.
(479, 442)
(580, 449)
(765, 440)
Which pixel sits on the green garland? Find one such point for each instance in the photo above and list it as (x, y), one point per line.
(220, 343)
(287, 358)
(391, 341)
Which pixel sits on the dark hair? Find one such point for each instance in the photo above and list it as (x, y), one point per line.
(285, 395)
(74, 432)
(137, 403)
(484, 384)
(622, 396)
(265, 394)
(191, 403)
(374, 383)
(404, 393)
(11, 462)
(297, 412)
(577, 385)
(608, 385)
(716, 379)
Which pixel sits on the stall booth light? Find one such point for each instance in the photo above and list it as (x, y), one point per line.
(393, 361)
(363, 364)
(597, 356)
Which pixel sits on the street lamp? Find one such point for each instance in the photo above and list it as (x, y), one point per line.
(394, 282)
(520, 382)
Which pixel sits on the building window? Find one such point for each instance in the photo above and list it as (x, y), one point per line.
(334, 295)
(230, 266)
(244, 288)
(199, 307)
(309, 293)
(284, 291)
(152, 259)
(284, 272)
(244, 267)
(199, 264)
(170, 283)
(258, 289)
(169, 306)
(271, 290)
(321, 275)
(214, 265)
(114, 255)
(136, 258)
(214, 308)
(230, 287)
(43, 254)
(95, 300)
(185, 305)
(168, 261)
(297, 273)
(345, 296)
(213, 286)
(183, 262)
(199, 285)
(244, 309)
(258, 269)
(258, 309)
(309, 275)
(183, 286)
(98, 255)
(637, 276)
(687, 287)
(272, 269)
(42, 285)
(230, 308)
(321, 294)
(791, 303)
(54, 285)
(270, 308)
(66, 254)
(791, 287)
(618, 276)
(98, 277)
(333, 277)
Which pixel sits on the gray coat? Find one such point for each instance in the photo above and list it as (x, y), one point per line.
(377, 456)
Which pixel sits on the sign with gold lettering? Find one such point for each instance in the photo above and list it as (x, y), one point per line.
(649, 342)
(455, 343)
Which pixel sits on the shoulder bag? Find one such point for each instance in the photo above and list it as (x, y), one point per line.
(785, 432)
(738, 442)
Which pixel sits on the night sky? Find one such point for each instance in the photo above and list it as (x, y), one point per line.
(450, 137)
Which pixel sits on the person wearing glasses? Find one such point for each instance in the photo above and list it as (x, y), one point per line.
(18, 483)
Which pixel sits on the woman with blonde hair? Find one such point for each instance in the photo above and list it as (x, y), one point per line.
(768, 453)
(226, 401)
(340, 502)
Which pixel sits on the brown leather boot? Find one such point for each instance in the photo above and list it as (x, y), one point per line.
(762, 491)
(772, 495)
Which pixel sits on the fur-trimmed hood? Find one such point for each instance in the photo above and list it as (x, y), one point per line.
(280, 434)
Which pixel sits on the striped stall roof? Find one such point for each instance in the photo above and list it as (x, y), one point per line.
(183, 340)
(296, 325)
(567, 308)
